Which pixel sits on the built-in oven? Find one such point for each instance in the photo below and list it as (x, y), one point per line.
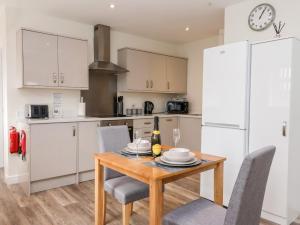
(127, 122)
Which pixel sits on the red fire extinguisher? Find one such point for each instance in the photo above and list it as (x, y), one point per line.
(23, 144)
(13, 140)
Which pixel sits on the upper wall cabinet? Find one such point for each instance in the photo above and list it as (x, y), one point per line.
(52, 61)
(151, 72)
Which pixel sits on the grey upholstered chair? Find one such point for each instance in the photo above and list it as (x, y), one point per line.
(125, 189)
(245, 203)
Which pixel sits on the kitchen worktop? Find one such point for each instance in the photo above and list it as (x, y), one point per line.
(90, 119)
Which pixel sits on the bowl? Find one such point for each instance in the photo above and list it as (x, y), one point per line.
(179, 152)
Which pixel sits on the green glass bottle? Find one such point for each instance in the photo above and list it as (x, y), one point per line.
(155, 139)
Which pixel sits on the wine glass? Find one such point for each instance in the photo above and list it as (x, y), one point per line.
(137, 137)
(176, 136)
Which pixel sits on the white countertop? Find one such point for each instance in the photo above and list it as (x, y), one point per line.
(91, 119)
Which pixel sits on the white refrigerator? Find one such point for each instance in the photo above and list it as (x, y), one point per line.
(225, 111)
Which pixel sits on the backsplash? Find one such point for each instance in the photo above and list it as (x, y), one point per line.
(137, 99)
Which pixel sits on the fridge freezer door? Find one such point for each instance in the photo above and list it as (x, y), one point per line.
(225, 85)
(229, 143)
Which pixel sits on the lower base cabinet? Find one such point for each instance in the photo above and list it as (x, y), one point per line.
(190, 130)
(87, 145)
(53, 150)
(166, 126)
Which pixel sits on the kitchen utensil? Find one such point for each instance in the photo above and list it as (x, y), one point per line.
(148, 107)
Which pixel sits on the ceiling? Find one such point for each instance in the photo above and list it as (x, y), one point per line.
(163, 20)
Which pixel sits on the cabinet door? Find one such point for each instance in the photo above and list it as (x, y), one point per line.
(88, 145)
(190, 130)
(137, 62)
(176, 69)
(166, 126)
(73, 63)
(39, 59)
(157, 73)
(269, 111)
(53, 150)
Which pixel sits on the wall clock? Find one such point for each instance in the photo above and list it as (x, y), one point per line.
(261, 17)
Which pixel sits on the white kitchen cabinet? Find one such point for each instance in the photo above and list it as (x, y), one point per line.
(151, 72)
(166, 126)
(274, 120)
(176, 69)
(39, 59)
(145, 126)
(53, 151)
(52, 61)
(73, 63)
(87, 145)
(190, 130)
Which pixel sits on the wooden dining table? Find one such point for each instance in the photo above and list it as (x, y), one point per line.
(154, 176)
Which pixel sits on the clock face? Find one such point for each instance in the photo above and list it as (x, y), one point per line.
(261, 17)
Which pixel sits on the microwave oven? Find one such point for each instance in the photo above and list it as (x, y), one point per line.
(36, 111)
(180, 107)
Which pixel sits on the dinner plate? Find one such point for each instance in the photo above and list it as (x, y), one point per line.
(165, 160)
(160, 162)
(173, 158)
(132, 152)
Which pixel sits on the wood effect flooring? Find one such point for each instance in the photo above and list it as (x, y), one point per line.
(74, 204)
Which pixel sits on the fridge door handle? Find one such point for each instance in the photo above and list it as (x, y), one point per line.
(284, 124)
(225, 125)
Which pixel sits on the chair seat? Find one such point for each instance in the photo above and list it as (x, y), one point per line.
(126, 189)
(198, 212)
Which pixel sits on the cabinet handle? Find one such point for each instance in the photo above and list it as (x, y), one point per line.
(168, 85)
(147, 84)
(54, 77)
(147, 123)
(147, 132)
(74, 131)
(62, 78)
(169, 120)
(284, 124)
(151, 84)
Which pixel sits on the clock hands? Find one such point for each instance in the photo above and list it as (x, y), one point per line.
(262, 12)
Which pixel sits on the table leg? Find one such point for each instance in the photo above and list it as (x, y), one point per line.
(218, 183)
(100, 201)
(156, 202)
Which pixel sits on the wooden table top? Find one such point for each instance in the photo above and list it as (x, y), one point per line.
(145, 173)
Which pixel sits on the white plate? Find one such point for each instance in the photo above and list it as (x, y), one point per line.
(165, 160)
(172, 157)
(139, 151)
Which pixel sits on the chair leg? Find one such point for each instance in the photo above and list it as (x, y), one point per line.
(126, 211)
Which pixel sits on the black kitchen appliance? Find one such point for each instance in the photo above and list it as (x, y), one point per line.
(148, 107)
(181, 107)
(36, 111)
(119, 106)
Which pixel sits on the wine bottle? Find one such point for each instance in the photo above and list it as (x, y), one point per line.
(155, 139)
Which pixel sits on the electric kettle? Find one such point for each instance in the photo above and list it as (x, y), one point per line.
(148, 107)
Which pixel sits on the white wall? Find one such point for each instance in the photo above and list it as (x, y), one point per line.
(121, 40)
(236, 20)
(194, 52)
(15, 98)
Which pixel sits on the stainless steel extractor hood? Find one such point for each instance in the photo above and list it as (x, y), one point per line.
(102, 52)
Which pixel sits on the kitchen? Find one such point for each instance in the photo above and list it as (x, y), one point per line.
(78, 106)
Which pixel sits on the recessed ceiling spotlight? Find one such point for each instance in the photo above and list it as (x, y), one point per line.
(187, 29)
(209, 3)
(112, 6)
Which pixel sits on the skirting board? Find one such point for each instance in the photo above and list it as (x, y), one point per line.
(276, 219)
(16, 179)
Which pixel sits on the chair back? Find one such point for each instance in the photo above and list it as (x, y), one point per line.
(248, 194)
(112, 139)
